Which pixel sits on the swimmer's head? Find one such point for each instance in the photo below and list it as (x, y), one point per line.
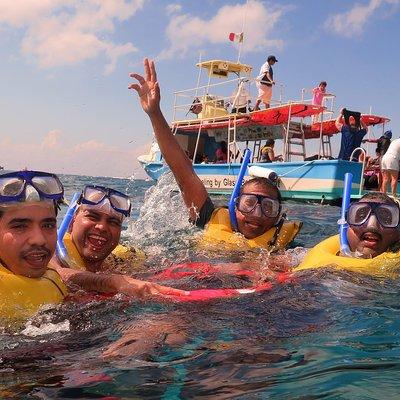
(373, 224)
(258, 207)
(28, 226)
(96, 226)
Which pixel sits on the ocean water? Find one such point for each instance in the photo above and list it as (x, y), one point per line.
(328, 335)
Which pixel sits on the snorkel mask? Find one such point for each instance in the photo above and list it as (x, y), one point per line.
(30, 186)
(246, 203)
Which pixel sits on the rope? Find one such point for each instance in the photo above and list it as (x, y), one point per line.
(295, 169)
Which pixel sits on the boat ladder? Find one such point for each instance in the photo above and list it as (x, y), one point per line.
(295, 141)
(256, 150)
(233, 149)
(197, 142)
(326, 146)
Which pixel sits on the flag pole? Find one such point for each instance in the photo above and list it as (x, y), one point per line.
(242, 32)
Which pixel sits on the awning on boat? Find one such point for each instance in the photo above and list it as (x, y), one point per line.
(280, 114)
(222, 68)
(329, 127)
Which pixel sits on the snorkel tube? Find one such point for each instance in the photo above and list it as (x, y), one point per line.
(236, 189)
(62, 230)
(343, 225)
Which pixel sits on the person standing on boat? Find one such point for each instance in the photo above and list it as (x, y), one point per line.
(384, 143)
(265, 82)
(352, 131)
(390, 165)
(258, 207)
(319, 93)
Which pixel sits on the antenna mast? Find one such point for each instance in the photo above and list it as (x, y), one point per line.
(242, 33)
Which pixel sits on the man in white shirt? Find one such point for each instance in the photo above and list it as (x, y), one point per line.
(265, 82)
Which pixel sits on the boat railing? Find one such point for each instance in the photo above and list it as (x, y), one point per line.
(328, 102)
(218, 100)
(363, 157)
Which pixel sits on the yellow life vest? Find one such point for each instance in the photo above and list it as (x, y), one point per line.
(131, 254)
(219, 229)
(21, 297)
(386, 265)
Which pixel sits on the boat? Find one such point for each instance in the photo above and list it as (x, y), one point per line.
(222, 112)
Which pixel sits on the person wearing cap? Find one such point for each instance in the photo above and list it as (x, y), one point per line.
(265, 81)
(258, 207)
(390, 166)
(28, 234)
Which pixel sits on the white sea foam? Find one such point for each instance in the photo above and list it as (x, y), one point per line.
(45, 328)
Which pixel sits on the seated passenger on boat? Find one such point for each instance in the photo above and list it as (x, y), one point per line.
(267, 152)
(28, 235)
(258, 207)
(353, 130)
(373, 233)
(221, 154)
(92, 245)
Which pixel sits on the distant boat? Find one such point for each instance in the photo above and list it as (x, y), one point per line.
(1, 167)
(220, 112)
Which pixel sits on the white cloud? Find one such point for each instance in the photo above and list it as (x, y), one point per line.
(353, 22)
(185, 31)
(56, 153)
(66, 32)
(173, 8)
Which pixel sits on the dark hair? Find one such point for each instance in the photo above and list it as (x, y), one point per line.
(268, 184)
(379, 196)
(270, 142)
(224, 146)
(323, 83)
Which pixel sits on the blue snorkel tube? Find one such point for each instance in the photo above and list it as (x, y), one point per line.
(343, 225)
(236, 189)
(62, 230)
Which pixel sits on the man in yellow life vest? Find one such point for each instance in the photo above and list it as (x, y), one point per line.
(258, 208)
(94, 234)
(28, 235)
(373, 239)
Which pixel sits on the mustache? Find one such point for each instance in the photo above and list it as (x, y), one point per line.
(373, 231)
(36, 249)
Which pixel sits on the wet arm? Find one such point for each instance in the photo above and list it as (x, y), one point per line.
(114, 283)
(193, 190)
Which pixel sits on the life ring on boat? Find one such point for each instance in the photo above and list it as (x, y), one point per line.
(200, 270)
(21, 297)
(324, 254)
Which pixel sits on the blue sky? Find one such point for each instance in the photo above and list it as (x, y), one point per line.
(64, 102)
